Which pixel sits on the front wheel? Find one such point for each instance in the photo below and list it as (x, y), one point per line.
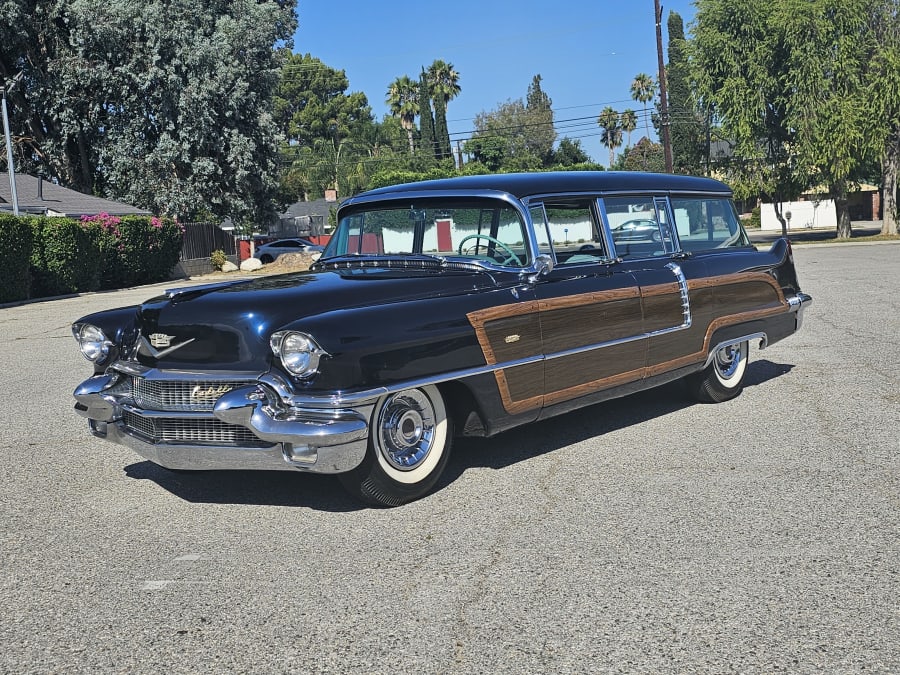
(409, 444)
(723, 378)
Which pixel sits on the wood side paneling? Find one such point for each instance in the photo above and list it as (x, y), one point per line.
(573, 321)
(590, 324)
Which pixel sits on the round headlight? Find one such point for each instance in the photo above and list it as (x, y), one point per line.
(92, 341)
(298, 352)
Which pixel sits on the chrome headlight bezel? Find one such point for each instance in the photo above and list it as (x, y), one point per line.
(92, 342)
(298, 352)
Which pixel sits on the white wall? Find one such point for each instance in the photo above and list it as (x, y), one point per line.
(804, 215)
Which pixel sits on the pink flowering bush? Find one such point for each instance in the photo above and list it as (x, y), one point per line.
(101, 252)
(135, 249)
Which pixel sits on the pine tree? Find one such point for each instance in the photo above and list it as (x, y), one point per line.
(541, 134)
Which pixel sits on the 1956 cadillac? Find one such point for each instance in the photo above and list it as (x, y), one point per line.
(458, 307)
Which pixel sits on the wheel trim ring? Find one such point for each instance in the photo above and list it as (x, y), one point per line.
(728, 361)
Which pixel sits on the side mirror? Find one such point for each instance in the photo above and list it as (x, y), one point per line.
(541, 266)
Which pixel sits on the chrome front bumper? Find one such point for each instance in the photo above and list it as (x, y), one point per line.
(320, 436)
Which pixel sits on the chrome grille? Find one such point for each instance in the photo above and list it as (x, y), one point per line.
(180, 395)
(191, 431)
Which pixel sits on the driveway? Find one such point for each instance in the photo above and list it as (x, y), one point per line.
(648, 534)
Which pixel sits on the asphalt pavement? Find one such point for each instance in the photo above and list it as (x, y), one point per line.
(645, 535)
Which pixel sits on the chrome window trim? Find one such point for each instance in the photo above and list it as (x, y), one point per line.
(350, 206)
(666, 205)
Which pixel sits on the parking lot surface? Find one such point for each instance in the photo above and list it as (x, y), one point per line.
(648, 534)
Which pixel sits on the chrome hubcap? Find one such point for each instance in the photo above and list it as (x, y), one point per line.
(728, 359)
(406, 429)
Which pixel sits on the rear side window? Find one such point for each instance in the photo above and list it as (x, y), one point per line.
(706, 223)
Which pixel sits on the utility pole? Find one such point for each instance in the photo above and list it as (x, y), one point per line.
(663, 103)
(9, 156)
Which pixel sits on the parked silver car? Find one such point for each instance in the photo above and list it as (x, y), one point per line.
(268, 252)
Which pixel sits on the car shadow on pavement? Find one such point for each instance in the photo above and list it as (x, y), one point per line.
(520, 444)
(324, 493)
(267, 488)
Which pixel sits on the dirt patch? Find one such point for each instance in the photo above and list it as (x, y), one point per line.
(290, 262)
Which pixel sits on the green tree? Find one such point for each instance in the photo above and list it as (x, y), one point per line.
(570, 153)
(165, 105)
(443, 82)
(686, 126)
(403, 99)
(643, 90)
(884, 92)
(427, 140)
(502, 139)
(441, 133)
(628, 120)
(645, 156)
(312, 103)
(541, 133)
(788, 82)
(611, 135)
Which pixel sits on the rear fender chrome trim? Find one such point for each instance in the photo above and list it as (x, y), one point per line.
(763, 343)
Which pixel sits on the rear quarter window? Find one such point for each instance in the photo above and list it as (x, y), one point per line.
(705, 223)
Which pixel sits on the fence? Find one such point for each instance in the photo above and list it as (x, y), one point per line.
(201, 239)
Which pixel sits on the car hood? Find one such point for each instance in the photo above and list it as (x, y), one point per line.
(227, 326)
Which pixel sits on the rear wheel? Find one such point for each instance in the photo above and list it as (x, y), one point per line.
(723, 378)
(409, 444)
(265, 259)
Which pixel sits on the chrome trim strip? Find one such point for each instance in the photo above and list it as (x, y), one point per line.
(763, 343)
(163, 414)
(137, 370)
(278, 457)
(685, 293)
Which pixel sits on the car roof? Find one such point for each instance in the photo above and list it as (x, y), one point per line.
(524, 184)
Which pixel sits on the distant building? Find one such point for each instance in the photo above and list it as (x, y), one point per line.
(304, 219)
(40, 197)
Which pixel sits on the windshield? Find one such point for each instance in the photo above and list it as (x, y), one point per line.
(490, 231)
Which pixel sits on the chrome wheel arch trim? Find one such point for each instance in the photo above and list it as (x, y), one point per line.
(763, 343)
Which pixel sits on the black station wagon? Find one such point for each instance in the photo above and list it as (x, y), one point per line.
(458, 307)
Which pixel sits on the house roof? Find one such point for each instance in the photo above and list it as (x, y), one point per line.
(59, 201)
(318, 207)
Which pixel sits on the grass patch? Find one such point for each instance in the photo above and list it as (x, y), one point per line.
(852, 240)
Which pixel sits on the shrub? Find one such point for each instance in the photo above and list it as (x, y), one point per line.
(135, 249)
(218, 259)
(16, 243)
(65, 257)
(755, 218)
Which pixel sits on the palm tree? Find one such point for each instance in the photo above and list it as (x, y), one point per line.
(403, 99)
(612, 131)
(443, 80)
(629, 124)
(443, 86)
(642, 91)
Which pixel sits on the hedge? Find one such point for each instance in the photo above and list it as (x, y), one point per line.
(65, 258)
(15, 253)
(43, 256)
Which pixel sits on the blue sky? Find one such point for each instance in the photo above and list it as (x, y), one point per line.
(587, 53)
